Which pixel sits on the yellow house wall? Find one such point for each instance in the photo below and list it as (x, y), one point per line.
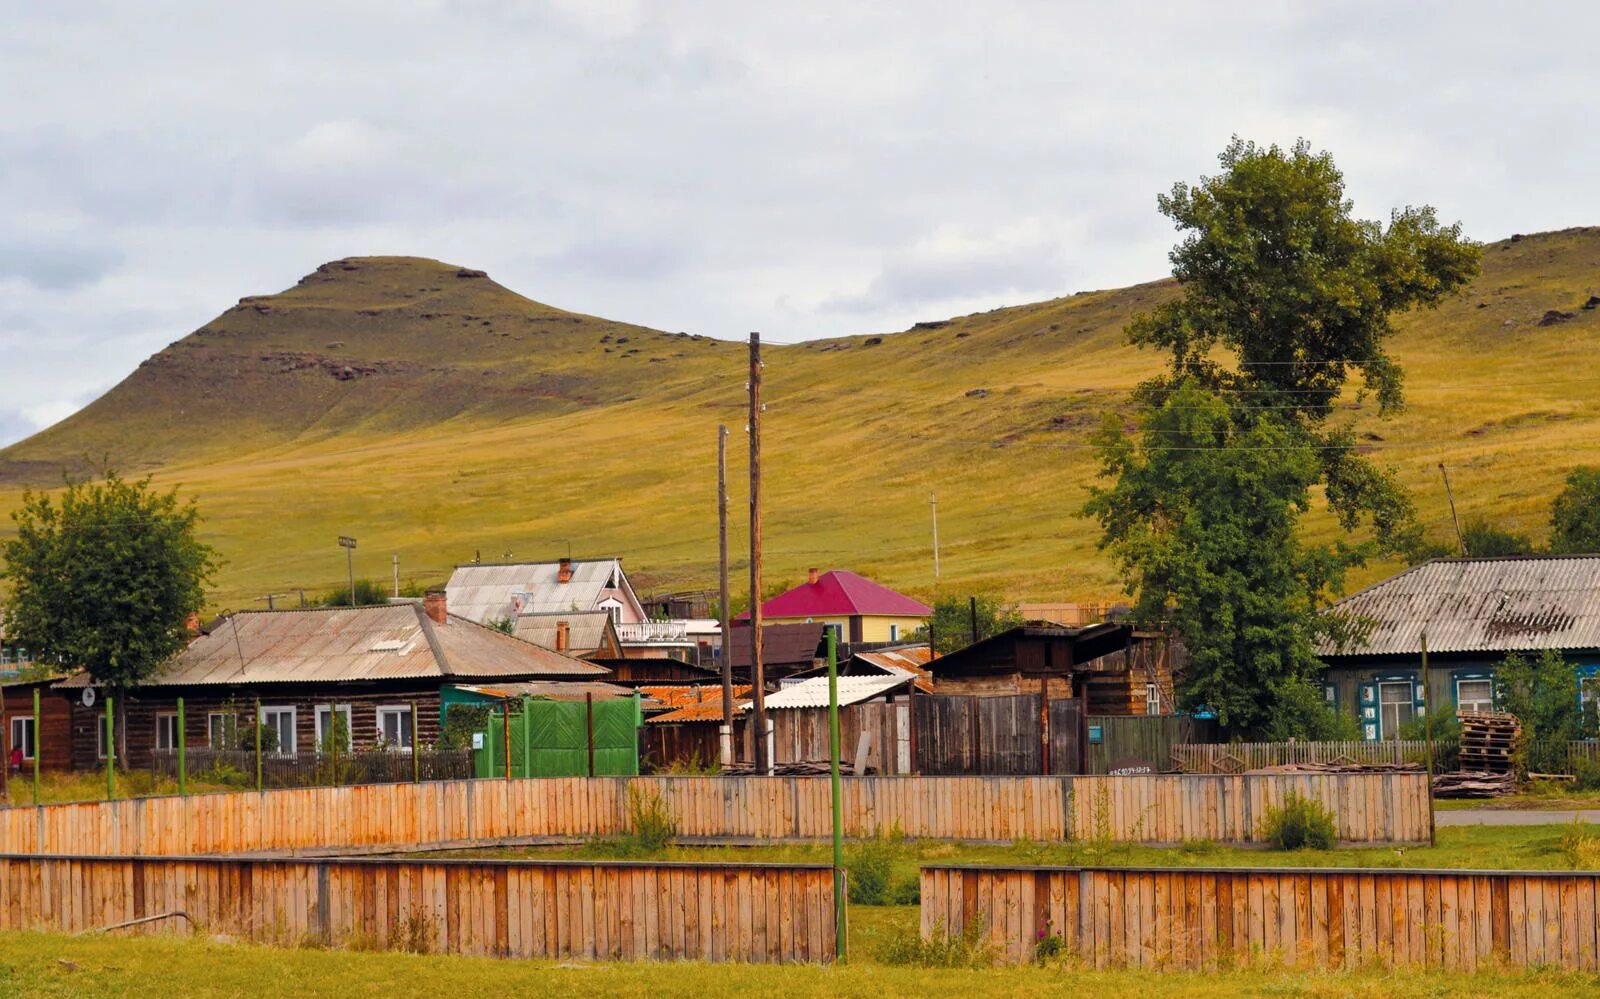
(873, 629)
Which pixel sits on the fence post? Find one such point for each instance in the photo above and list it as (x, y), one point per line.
(416, 744)
(527, 736)
(183, 767)
(111, 753)
(5, 751)
(588, 701)
(38, 744)
(505, 733)
(257, 726)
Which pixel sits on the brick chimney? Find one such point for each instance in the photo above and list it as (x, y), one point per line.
(811, 575)
(563, 636)
(435, 606)
(564, 573)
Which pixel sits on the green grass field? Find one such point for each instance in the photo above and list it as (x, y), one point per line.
(90, 967)
(496, 425)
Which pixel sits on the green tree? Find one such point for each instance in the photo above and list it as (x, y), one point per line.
(1575, 514)
(369, 593)
(953, 616)
(1484, 540)
(105, 577)
(1285, 297)
(1543, 693)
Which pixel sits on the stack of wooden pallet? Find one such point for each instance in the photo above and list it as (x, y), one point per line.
(1489, 741)
(1474, 785)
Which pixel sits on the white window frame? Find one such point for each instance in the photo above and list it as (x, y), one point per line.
(22, 734)
(612, 606)
(1152, 699)
(403, 711)
(323, 712)
(1476, 701)
(100, 735)
(167, 724)
(277, 710)
(1409, 703)
(224, 717)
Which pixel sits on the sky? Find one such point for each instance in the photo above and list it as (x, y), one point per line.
(805, 170)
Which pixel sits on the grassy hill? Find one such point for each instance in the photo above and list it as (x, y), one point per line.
(433, 413)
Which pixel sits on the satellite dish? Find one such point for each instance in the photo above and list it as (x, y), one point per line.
(88, 697)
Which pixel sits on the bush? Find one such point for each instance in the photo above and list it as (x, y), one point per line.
(650, 821)
(1586, 773)
(1299, 823)
(1580, 847)
(369, 592)
(870, 868)
(1446, 737)
(967, 949)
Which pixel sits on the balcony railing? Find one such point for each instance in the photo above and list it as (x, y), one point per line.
(654, 631)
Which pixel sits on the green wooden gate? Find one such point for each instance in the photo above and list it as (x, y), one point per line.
(552, 739)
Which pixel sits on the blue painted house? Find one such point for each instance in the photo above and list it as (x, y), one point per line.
(1474, 611)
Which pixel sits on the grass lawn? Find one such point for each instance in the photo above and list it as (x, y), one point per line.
(1546, 847)
(1540, 798)
(91, 786)
(53, 965)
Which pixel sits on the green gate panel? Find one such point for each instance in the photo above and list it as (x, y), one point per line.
(551, 739)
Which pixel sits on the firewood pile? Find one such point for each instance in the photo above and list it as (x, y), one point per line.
(1474, 784)
(1341, 768)
(1489, 741)
(799, 768)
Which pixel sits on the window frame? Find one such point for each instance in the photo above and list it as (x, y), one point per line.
(1409, 703)
(100, 735)
(166, 720)
(294, 726)
(1476, 700)
(230, 740)
(326, 710)
(30, 740)
(403, 711)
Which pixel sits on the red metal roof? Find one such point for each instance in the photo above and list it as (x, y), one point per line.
(841, 593)
(696, 704)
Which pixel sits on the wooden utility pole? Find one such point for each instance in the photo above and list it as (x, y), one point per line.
(724, 617)
(757, 672)
(1451, 496)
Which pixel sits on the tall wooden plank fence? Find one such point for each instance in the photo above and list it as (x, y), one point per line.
(1237, 757)
(1368, 808)
(491, 908)
(1313, 918)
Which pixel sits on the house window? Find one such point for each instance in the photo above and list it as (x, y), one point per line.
(1152, 699)
(222, 730)
(1475, 695)
(325, 713)
(1395, 706)
(167, 731)
(894, 633)
(281, 721)
(100, 737)
(394, 728)
(22, 736)
(614, 608)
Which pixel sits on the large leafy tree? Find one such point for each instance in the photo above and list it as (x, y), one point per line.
(954, 618)
(1575, 514)
(105, 576)
(1285, 298)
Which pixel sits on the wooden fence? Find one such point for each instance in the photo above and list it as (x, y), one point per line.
(1317, 917)
(1237, 757)
(498, 908)
(1369, 808)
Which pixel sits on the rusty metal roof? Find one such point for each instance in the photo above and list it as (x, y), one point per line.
(553, 690)
(1517, 603)
(699, 703)
(327, 645)
(911, 659)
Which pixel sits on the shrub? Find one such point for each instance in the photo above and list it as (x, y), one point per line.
(1580, 847)
(870, 867)
(1446, 737)
(1299, 823)
(969, 948)
(650, 821)
(1048, 945)
(368, 593)
(460, 722)
(1586, 773)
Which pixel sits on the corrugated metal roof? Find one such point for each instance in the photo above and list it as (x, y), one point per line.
(326, 645)
(813, 693)
(553, 690)
(484, 593)
(912, 659)
(841, 593)
(695, 704)
(781, 645)
(1509, 604)
(586, 630)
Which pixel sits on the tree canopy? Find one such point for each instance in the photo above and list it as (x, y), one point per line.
(105, 578)
(1285, 297)
(1575, 514)
(952, 621)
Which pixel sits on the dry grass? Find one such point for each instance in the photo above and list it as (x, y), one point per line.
(527, 445)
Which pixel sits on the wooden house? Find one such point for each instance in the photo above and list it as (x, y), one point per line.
(1090, 664)
(53, 735)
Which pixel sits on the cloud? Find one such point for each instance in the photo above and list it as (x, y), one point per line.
(811, 170)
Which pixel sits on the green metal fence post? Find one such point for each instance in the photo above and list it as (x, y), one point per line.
(111, 753)
(38, 751)
(258, 743)
(183, 767)
(837, 794)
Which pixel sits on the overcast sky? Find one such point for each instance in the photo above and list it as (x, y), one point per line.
(805, 169)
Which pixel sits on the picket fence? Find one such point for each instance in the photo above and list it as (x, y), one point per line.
(1312, 918)
(1237, 757)
(492, 908)
(1368, 808)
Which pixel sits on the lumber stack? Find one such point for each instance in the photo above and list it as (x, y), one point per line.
(1474, 784)
(1340, 768)
(1489, 741)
